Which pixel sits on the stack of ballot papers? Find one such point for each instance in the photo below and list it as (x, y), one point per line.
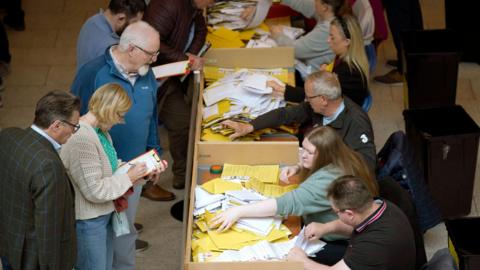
(258, 238)
(264, 250)
(239, 96)
(213, 74)
(263, 39)
(228, 14)
(263, 173)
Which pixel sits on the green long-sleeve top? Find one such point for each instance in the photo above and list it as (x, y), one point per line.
(310, 200)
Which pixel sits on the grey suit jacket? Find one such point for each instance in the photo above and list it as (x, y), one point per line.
(37, 216)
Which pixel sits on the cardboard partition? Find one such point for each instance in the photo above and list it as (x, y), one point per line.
(279, 57)
(252, 153)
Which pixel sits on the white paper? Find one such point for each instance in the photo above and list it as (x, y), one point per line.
(210, 110)
(203, 198)
(309, 246)
(245, 195)
(150, 158)
(171, 69)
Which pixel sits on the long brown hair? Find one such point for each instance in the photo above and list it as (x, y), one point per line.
(332, 150)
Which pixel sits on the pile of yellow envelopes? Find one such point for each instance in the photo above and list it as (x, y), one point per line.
(207, 242)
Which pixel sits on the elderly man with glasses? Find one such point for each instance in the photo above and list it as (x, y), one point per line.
(323, 105)
(37, 214)
(128, 64)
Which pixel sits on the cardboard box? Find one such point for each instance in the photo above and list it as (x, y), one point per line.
(238, 158)
(251, 153)
(221, 152)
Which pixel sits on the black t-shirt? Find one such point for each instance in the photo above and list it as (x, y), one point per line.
(383, 241)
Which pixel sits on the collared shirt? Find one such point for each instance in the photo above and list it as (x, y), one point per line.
(131, 77)
(54, 143)
(94, 38)
(384, 240)
(328, 119)
(373, 217)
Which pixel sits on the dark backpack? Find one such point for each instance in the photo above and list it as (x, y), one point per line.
(397, 160)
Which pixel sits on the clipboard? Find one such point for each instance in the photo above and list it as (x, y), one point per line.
(151, 159)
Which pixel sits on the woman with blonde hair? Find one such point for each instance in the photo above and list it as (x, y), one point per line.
(351, 63)
(325, 157)
(91, 161)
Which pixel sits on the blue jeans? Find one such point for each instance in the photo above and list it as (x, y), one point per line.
(371, 56)
(94, 243)
(5, 264)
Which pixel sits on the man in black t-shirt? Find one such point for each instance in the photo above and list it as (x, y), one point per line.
(380, 234)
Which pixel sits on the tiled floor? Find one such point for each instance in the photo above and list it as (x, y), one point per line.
(44, 59)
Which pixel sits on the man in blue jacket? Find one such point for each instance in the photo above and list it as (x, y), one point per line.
(128, 65)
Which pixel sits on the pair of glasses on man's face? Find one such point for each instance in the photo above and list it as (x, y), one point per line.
(75, 127)
(151, 54)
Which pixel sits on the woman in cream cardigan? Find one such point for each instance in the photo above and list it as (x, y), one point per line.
(91, 160)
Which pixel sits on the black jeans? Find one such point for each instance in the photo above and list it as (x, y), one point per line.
(332, 253)
(402, 15)
(4, 49)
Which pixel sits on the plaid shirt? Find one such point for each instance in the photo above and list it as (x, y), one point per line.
(37, 217)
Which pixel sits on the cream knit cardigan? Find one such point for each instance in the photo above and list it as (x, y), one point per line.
(91, 174)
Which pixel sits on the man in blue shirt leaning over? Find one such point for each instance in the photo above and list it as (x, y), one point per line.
(103, 29)
(128, 65)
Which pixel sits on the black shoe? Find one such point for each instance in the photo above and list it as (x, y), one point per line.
(141, 245)
(178, 185)
(138, 227)
(17, 24)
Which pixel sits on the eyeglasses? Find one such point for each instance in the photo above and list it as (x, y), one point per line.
(151, 54)
(75, 127)
(312, 97)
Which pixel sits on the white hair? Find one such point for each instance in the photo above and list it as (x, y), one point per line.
(326, 84)
(136, 33)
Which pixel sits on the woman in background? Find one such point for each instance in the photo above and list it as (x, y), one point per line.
(351, 64)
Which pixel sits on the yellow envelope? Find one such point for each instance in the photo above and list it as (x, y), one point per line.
(231, 239)
(227, 34)
(204, 244)
(276, 234)
(218, 186)
(209, 135)
(202, 225)
(208, 218)
(247, 34)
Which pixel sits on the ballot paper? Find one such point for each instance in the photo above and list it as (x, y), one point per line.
(204, 198)
(171, 69)
(245, 195)
(311, 247)
(150, 158)
(292, 32)
(260, 226)
(257, 83)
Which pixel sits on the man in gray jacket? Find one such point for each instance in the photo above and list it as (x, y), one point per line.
(323, 105)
